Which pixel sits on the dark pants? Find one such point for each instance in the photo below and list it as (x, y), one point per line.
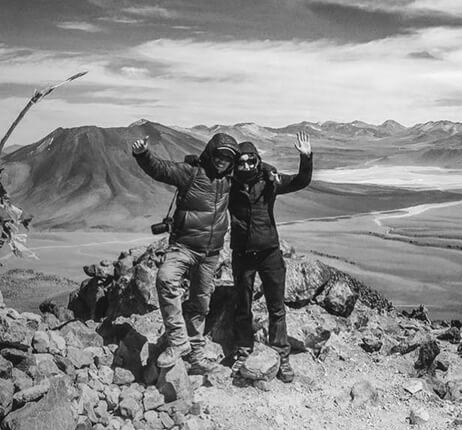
(270, 266)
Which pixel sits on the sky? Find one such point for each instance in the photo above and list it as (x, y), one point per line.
(190, 62)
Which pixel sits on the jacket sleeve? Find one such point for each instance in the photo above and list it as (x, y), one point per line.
(169, 172)
(290, 183)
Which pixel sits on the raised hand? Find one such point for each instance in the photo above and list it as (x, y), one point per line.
(303, 144)
(140, 145)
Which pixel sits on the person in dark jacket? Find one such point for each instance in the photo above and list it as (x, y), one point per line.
(255, 246)
(199, 225)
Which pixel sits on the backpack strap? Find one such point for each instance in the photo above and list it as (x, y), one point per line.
(182, 197)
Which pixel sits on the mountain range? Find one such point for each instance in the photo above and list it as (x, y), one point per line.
(85, 177)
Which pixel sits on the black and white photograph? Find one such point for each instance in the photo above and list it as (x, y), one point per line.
(230, 215)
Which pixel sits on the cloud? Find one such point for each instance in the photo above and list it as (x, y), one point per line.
(424, 55)
(188, 81)
(151, 11)
(121, 20)
(80, 26)
(453, 7)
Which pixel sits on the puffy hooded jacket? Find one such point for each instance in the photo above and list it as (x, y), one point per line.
(251, 203)
(200, 220)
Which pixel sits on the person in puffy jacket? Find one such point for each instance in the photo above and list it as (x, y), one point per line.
(199, 225)
(255, 245)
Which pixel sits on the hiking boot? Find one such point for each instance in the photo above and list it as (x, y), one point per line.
(286, 373)
(172, 354)
(200, 364)
(236, 367)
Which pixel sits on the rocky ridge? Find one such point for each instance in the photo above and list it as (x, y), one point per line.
(359, 363)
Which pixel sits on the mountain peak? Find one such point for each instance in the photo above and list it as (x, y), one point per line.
(141, 121)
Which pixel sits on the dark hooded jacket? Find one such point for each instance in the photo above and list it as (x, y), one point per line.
(251, 203)
(200, 220)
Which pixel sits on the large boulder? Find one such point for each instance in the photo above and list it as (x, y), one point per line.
(262, 364)
(6, 397)
(305, 279)
(15, 332)
(174, 383)
(53, 411)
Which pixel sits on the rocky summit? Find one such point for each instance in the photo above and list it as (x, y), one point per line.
(359, 363)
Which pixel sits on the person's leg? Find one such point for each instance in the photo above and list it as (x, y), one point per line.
(244, 277)
(272, 272)
(168, 284)
(201, 288)
(196, 308)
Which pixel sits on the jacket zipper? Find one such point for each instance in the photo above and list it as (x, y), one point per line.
(214, 217)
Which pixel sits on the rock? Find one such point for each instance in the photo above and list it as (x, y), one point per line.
(452, 335)
(130, 408)
(263, 363)
(81, 376)
(60, 312)
(112, 396)
(144, 284)
(86, 336)
(20, 379)
(262, 385)
(304, 280)
(427, 354)
(123, 376)
(152, 418)
(6, 397)
(65, 365)
(79, 357)
(16, 356)
(90, 300)
(83, 423)
(51, 321)
(363, 392)
(414, 386)
(371, 344)
(420, 313)
(15, 333)
(442, 364)
(123, 266)
(174, 383)
(46, 364)
(31, 394)
(220, 377)
(57, 343)
(304, 334)
(2, 303)
(106, 375)
(87, 396)
(132, 392)
(338, 298)
(103, 270)
(41, 341)
(176, 406)
(101, 412)
(418, 416)
(166, 421)
(152, 399)
(53, 411)
(6, 367)
(454, 390)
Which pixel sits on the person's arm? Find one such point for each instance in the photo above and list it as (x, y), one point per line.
(290, 183)
(169, 172)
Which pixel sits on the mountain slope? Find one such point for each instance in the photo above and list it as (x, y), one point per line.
(86, 177)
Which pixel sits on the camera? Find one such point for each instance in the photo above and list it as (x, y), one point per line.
(162, 227)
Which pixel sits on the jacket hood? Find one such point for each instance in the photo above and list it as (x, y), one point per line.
(250, 176)
(219, 140)
(248, 148)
